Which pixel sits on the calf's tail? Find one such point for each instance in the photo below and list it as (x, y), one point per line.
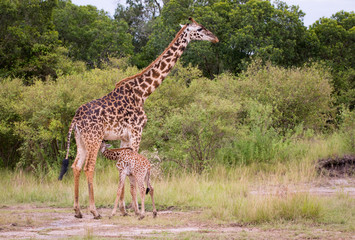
(148, 182)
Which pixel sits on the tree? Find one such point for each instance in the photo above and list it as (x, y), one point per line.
(258, 29)
(246, 29)
(28, 39)
(91, 35)
(336, 37)
(139, 15)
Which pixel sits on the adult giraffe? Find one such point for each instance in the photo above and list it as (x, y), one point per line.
(120, 115)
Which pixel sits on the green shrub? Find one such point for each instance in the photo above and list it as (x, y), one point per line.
(10, 94)
(35, 119)
(297, 96)
(189, 118)
(193, 122)
(347, 127)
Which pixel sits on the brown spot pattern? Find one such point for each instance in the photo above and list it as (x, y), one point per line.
(119, 115)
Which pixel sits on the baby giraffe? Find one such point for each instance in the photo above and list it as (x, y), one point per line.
(137, 168)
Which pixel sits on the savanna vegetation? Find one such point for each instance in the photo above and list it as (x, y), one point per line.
(260, 107)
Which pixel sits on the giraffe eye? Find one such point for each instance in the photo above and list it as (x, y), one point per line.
(199, 30)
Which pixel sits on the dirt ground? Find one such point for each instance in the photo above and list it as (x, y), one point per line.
(59, 223)
(33, 222)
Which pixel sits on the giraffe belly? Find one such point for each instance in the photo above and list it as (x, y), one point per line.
(114, 134)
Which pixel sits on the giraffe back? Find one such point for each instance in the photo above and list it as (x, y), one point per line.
(128, 160)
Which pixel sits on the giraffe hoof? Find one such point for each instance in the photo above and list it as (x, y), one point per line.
(125, 214)
(155, 214)
(141, 217)
(78, 215)
(97, 217)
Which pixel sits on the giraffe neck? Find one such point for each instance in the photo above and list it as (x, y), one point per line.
(152, 76)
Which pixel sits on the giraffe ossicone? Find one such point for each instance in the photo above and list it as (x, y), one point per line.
(120, 115)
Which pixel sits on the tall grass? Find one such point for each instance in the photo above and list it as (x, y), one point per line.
(254, 193)
(223, 195)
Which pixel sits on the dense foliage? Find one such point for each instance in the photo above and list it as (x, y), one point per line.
(54, 37)
(270, 78)
(192, 121)
(255, 28)
(28, 39)
(336, 47)
(90, 34)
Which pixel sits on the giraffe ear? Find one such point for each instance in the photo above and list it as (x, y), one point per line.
(182, 25)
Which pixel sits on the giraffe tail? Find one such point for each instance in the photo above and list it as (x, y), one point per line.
(65, 161)
(148, 182)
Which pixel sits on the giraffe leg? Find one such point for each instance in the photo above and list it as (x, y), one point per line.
(142, 193)
(122, 204)
(151, 192)
(77, 165)
(119, 196)
(90, 177)
(136, 138)
(132, 139)
(132, 181)
(89, 172)
(76, 193)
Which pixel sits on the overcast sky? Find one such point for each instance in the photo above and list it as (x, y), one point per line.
(314, 9)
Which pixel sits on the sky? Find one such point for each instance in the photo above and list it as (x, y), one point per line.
(314, 9)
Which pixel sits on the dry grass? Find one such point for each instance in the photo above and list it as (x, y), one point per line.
(224, 194)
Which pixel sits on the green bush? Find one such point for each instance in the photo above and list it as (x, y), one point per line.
(35, 119)
(347, 127)
(297, 96)
(189, 118)
(193, 122)
(10, 93)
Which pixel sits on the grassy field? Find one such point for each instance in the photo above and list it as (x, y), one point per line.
(271, 195)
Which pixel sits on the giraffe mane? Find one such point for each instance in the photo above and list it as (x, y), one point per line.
(150, 65)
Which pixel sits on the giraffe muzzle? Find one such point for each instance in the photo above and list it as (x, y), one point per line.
(216, 40)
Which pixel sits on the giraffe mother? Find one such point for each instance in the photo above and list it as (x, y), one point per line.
(120, 115)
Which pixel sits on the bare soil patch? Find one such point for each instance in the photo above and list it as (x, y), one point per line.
(26, 221)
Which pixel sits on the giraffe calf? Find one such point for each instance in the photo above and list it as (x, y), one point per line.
(137, 168)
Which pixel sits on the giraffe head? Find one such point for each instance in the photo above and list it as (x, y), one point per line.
(104, 146)
(199, 32)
